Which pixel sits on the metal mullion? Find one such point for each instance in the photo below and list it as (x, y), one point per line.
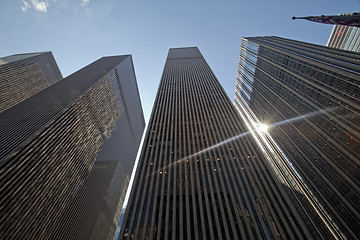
(255, 148)
(315, 107)
(245, 181)
(186, 145)
(152, 186)
(282, 204)
(230, 126)
(236, 191)
(183, 185)
(325, 179)
(274, 192)
(334, 167)
(343, 65)
(220, 110)
(246, 146)
(205, 169)
(195, 129)
(171, 159)
(244, 197)
(175, 157)
(193, 164)
(213, 83)
(191, 147)
(314, 126)
(237, 143)
(319, 50)
(201, 116)
(279, 168)
(138, 183)
(211, 154)
(250, 198)
(215, 137)
(163, 120)
(323, 87)
(311, 60)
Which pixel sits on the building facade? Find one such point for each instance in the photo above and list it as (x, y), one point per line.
(309, 95)
(23, 75)
(200, 174)
(345, 37)
(67, 152)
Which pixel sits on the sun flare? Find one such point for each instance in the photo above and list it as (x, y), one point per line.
(263, 127)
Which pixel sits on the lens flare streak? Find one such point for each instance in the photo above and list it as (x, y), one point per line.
(259, 130)
(204, 150)
(276, 158)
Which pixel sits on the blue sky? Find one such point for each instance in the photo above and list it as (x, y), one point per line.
(80, 31)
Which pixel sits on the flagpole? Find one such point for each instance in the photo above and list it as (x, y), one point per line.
(352, 19)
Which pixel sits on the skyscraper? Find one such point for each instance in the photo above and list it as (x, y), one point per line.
(200, 175)
(309, 94)
(23, 75)
(345, 37)
(66, 154)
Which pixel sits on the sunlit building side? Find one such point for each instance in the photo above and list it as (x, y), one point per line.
(345, 37)
(23, 75)
(200, 174)
(309, 95)
(67, 152)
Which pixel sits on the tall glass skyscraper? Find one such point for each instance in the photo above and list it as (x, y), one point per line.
(200, 174)
(310, 97)
(345, 37)
(66, 154)
(23, 75)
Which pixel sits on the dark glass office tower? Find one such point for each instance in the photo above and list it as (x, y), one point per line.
(200, 175)
(310, 95)
(23, 75)
(66, 154)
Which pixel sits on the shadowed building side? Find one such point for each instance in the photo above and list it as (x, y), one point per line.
(200, 175)
(23, 75)
(67, 153)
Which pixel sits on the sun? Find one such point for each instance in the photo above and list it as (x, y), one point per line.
(263, 127)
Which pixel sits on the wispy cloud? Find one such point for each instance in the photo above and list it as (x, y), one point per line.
(89, 11)
(26, 6)
(38, 5)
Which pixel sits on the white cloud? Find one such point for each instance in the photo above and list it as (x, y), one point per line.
(85, 2)
(38, 5)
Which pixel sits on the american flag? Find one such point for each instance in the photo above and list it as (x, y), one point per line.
(343, 19)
